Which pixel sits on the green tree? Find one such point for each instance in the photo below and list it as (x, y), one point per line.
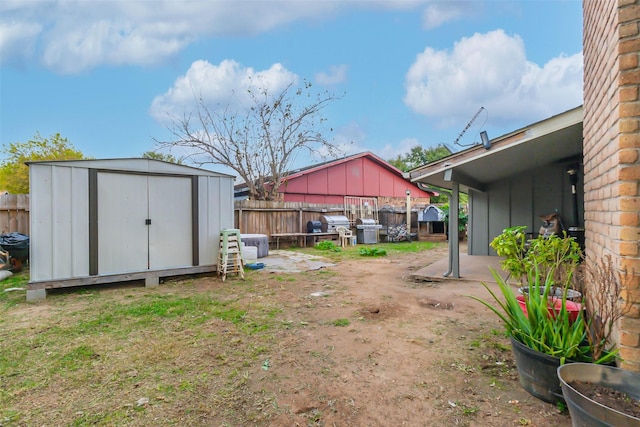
(14, 173)
(155, 155)
(419, 156)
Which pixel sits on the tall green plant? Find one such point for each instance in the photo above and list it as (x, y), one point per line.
(545, 329)
(545, 264)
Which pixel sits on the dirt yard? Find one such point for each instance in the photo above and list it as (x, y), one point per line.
(360, 344)
(414, 353)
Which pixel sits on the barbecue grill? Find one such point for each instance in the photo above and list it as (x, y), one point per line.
(367, 230)
(331, 222)
(314, 227)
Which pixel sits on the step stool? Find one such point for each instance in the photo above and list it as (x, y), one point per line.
(230, 254)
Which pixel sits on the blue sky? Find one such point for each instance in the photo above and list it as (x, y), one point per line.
(105, 73)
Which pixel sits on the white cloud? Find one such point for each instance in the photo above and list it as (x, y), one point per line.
(391, 151)
(72, 36)
(17, 41)
(217, 86)
(336, 74)
(491, 70)
(439, 13)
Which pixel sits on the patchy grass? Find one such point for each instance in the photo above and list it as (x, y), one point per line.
(328, 249)
(13, 289)
(127, 355)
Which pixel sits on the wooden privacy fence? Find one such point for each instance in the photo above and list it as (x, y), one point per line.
(280, 218)
(265, 217)
(14, 213)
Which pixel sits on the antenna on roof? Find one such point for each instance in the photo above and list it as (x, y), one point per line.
(475, 116)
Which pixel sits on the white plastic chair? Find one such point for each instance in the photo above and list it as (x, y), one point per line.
(345, 235)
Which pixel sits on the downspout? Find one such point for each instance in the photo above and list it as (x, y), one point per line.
(454, 245)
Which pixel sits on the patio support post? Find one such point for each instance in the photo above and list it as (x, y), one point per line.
(454, 241)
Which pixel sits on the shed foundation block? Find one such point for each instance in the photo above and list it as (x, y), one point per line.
(151, 282)
(35, 295)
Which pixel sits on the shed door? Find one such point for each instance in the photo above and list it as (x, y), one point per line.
(126, 203)
(170, 230)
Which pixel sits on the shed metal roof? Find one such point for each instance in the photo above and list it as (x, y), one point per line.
(132, 165)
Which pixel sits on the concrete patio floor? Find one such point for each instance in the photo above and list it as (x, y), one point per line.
(472, 267)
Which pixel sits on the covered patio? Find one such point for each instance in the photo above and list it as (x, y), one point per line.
(511, 181)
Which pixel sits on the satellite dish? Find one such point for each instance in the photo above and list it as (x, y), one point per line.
(485, 140)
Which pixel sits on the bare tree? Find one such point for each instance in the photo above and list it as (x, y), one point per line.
(259, 142)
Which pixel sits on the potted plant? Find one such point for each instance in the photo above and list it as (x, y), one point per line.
(598, 395)
(544, 333)
(602, 395)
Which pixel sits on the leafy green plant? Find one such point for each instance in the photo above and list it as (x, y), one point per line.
(328, 245)
(511, 244)
(546, 266)
(372, 252)
(522, 255)
(463, 217)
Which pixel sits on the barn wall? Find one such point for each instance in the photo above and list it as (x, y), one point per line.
(359, 177)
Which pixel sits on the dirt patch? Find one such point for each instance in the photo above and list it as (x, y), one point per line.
(609, 397)
(415, 353)
(357, 343)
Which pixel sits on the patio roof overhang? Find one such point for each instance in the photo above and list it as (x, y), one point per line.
(556, 140)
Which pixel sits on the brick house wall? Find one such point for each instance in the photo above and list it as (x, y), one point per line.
(611, 48)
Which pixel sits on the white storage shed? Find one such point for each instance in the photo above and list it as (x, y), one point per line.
(114, 220)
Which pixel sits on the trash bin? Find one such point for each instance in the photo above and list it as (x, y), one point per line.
(17, 244)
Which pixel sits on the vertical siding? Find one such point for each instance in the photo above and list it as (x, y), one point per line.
(318, 182)
(479, 223)
(216, 213)
(520, 200)
(521, 209)
(59, 217)
(499, 208)
(59, 222)
(40, 259)
(14, 213)
(354, 178)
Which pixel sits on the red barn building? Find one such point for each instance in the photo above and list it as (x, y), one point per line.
(359, 175)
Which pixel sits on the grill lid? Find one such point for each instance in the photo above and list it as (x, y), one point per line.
(330, 222)
(366, 223)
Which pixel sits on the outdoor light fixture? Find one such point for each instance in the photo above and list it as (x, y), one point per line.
(485, 140)
(408, 192)
(573, 179)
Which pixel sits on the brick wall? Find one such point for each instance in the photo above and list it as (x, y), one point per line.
(611, 41)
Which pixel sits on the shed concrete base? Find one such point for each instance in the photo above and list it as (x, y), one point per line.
(35, 295)
(151, 282)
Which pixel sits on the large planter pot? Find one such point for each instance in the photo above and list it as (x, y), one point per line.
(586, 412)
(555, 305)
(537, 372)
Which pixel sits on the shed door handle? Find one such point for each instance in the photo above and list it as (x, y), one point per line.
(147, 221)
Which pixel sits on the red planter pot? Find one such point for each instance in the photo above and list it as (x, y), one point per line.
(555, 305)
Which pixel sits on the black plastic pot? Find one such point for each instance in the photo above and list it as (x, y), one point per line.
(537, 372)
(587, 412)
